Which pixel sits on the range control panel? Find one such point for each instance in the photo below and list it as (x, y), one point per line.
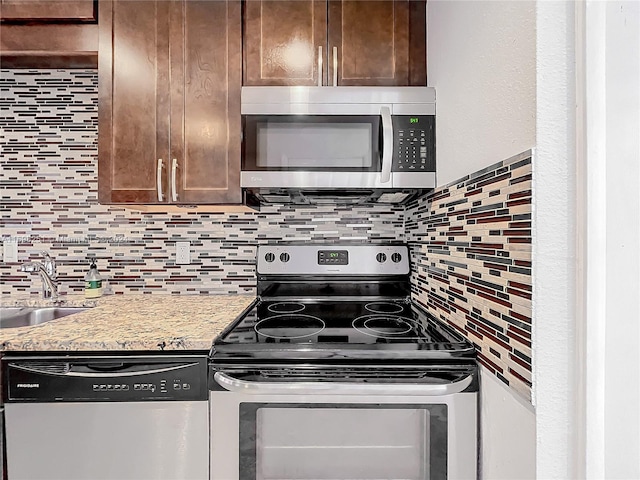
(284, 259)
(333, 257)
(413, 143)
(105, 379)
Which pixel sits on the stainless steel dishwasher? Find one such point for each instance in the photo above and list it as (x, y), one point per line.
(106, 417)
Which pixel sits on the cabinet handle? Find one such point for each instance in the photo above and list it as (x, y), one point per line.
(159, 181)
(174, 191)
(319, 65)
(335, 66)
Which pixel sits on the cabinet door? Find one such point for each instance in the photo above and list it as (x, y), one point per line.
(373, 40)
(48, 33)
(206, 78)
(281, 40)
(133, 101)
(48, 10)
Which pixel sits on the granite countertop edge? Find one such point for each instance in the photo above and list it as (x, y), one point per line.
(119, 323)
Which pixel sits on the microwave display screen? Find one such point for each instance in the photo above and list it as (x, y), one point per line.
(308, 144)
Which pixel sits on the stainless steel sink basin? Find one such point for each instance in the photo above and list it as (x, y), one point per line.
(11, 317)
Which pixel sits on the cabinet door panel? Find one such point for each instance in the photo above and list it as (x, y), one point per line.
(372, 38)
(281, 40)
(205, 94)
(48, 10)
(134, 102)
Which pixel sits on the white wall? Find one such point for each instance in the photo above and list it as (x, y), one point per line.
(622, 385)
(481, 60)
(506, 419)
(587, 240)
(611, 200)
(554, 255)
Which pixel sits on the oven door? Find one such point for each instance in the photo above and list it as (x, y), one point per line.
(274, 429)
(317, 151)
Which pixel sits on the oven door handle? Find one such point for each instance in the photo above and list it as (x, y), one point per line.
(340, 388)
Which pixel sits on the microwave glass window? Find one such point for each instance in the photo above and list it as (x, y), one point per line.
(314, 145)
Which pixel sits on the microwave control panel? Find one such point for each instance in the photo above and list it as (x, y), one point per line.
(413, 143)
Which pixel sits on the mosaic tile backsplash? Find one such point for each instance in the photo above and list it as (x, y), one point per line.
(471, 263)
(48, 134)
(470, 241)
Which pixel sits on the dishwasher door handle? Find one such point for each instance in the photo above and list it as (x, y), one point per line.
(340, 388)
(43, 370)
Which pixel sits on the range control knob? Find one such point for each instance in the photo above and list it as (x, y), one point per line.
(269, 257)
(381, 258)
(396, 257)
(284, 257)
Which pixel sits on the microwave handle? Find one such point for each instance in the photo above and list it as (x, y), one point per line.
(342, 388)
(387, 144)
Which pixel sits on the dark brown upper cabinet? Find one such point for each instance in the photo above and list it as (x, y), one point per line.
(335, 42)
(49, 33)
(49, 11)
(169, 98)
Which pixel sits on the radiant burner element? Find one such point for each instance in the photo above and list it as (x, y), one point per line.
(383, 307)
(384, 326)
(286, 307)
(289, 326)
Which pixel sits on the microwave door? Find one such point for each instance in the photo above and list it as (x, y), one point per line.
(313, 151)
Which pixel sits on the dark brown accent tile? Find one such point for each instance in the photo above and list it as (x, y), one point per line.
(481, 214)
(493, 299)
(520, 362)
(483, 357)
(499, 178)
(522, 263)
(494, 246)
(494, 219)
(520, 225)
(519, 316)
(519, 293)
(523, 178)
(474, 333)
(473, 192)
(495, 266)
(521, 286)
(515, 203)
(525, 193)
(513, 330)
(511, 233)
(520, 377)
(522, 340)
(486, 364)
(519, 240)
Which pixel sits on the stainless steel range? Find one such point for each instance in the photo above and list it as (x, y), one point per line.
(334, 373)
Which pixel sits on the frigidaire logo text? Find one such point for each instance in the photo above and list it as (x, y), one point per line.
(28, 385)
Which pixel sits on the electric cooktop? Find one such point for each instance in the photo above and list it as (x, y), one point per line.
(336, 304)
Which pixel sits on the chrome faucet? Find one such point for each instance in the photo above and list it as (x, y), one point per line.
(48, 274)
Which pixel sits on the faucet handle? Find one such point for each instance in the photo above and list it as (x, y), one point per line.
(49, 264)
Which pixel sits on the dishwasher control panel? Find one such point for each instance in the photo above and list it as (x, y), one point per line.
(110, 379)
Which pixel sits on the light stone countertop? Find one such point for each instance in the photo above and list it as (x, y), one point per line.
(128, 322)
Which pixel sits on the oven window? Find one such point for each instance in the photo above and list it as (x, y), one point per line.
(308, 143)
(323, 442)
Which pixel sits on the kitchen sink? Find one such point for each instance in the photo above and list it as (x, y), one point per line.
(11, 317)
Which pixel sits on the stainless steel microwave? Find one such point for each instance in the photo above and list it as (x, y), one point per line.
(338, 144)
